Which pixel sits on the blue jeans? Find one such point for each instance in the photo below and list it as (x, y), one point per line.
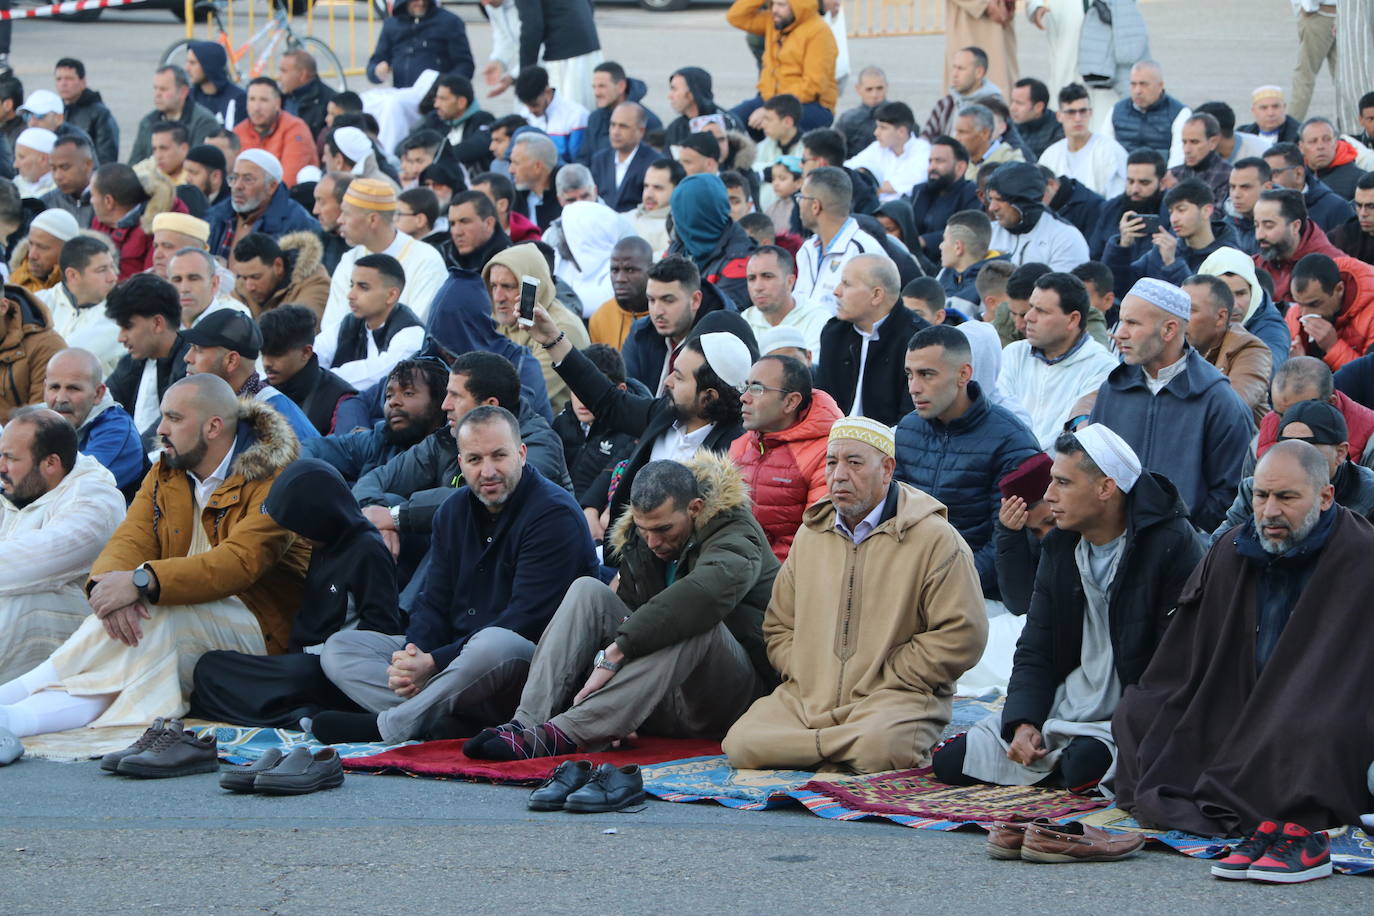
(813, 113)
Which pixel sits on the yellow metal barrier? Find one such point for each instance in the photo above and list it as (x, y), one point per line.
(888, 18)
(335, 22)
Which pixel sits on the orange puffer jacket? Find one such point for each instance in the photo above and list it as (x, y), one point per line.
(800, 60)
(785, 471)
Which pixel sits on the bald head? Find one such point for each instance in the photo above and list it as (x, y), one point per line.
(1303, 456)
(633, 246)
(877, 270)
(72, 385)
(207, 396)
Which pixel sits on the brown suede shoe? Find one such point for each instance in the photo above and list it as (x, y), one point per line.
(173, 753)
(1047, 841)
(1005, 839)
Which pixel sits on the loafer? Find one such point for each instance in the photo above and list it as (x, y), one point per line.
(302, 772)
(240, 778)
(110, 762)
(11, 748)
(610, 788)
(1048, 842)
(569, 776)
(1005, 840)
(176, 752)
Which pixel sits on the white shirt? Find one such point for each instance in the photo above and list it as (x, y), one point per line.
(903, 171)
(818, 271)
(147, 406)
(858, 409)
(865, 527)
(425, 273)
(676, 444)
(1166, 375)
(218, 304)
(207, 487)
(377, 365)
(86, 327)
(1099, 165)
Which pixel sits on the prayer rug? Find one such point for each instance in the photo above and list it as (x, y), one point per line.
(242, 744)
(918, 794)
(445, 759)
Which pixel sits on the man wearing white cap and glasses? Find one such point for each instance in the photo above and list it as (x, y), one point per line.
(874, 616)
(33, 174)
(1109, 576)
(700, 409)
(34, 263)
(1175, 409)
(258, 202)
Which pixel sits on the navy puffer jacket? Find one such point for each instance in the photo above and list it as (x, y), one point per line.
(960, 464)
(438, 40)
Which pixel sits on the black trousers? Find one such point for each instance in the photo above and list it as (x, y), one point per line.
(1082, 764)
(269, 691)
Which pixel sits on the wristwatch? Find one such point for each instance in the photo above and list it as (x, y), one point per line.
(143, 580)
(601, 661)
(395, 517)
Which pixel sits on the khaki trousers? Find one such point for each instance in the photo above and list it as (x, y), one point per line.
(1316, 43)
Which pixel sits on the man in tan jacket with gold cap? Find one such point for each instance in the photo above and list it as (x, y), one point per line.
(874, 616)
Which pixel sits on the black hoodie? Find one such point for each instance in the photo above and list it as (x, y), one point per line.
(699, 84)
(352, 577)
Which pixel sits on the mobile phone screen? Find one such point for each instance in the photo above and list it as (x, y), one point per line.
(529, 294)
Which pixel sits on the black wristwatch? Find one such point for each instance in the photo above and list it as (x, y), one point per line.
(143, 580)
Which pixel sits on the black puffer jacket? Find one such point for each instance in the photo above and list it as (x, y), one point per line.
(1160, 551)
(563, 28)
(90, 114)
(438, 40)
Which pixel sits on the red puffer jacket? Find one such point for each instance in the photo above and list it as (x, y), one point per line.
(785, 471)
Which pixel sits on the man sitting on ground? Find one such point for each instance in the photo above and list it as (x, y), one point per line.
(471, 635)
(57, 510)
(610, 324)
(782, 452)
(1108, 579)
(1321, 424)
(868, 657)
(288, 270)
(148, 313)
(676, 648)
(379, 332)
(771, 276)
(1258, 633)
(73, 388)
(1242, 357)
(963, 253)
(77, 304)
(196, 565)
(290, 365)
(1333, 309)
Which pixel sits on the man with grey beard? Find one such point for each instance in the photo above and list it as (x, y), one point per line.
(259, 201)
(1271, 633)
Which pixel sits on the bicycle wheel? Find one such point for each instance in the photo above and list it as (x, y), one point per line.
(175, 55)
(331, 69)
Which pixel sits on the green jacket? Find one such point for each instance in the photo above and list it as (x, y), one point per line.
(200, 122)
(725, 573)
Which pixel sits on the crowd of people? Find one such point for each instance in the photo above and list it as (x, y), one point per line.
(778, 424)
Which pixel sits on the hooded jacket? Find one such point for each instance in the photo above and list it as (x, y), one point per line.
(598, 134)
(1195, 431)
(21, 275)
(1159, 553)
(1324, 205)
(960, 463)
(706, 234)
(901, 212)
(351, 580)
(1312, 240)
(419, 479)
(306, 281)
(514, 579)
(1040, 235)
(1262, 318)
(1078, 204)
(317, 392)
(869, 639)
(1246, 362)
(785, 471)
(27, 342)
(564, 29)
(49, 544)
(436, 40)
(228, 103)
(282, 217)
(699, 85)
(133, 234)
(108, 435)
(798, 60)
(90, 113)
(250, 556)
(526, 260)
(1354, 322)
(724, 573)
(1353, 485)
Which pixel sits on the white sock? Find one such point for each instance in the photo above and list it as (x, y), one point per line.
(51, 711)
(30, 682)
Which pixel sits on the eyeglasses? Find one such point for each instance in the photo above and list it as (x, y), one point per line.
(245, 179)
(756, 389)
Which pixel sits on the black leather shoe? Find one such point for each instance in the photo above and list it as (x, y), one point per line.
(610, 788)
(570, 776)
(240, 778)
(301, 772)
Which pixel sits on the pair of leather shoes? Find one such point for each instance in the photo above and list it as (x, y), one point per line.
(165, 750)
(579, 787)
(1044, 841)
(297, 773)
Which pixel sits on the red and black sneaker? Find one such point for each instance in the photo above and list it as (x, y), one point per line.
(1238, 859)
(1298, 855)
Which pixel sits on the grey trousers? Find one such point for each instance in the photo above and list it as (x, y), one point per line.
(696, 688)
(480, 687)
(1316, 45)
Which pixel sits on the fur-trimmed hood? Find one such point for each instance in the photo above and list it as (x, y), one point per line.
(268, 444)
(743, 150)
(305, 253)
(21, 250)
(162, 194)
(722, 489)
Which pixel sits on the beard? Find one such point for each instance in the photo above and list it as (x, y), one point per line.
(184, 461)
(1294, 537)
(29, 488)
(939, 182)
(412, 432)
